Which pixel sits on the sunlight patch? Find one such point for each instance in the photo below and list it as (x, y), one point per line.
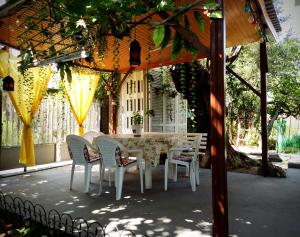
(188, 220)
(165, 233)
(149, 232)
(159, 229)
(190, 233)
(197, 211)
(148, 221)
(164, 219)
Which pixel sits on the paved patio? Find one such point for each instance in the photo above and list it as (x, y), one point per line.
(258, 206)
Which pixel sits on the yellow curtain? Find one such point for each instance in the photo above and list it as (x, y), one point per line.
(28, 92)
(80, 93)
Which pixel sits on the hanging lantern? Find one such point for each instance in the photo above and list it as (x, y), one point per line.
(8, 83)
(135, 53)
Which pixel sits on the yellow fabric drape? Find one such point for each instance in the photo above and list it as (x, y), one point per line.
(80, 94)
(26, 98)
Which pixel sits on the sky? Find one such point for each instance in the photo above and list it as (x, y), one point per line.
(293, 22)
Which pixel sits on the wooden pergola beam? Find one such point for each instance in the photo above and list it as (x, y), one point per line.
(243, 81)
(125, 76)
(217, 110)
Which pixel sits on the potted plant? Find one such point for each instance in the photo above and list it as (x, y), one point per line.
(137, 124)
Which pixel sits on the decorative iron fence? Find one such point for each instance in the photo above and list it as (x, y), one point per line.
(33, 217)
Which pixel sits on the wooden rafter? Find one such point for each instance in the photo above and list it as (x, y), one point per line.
(255, 91)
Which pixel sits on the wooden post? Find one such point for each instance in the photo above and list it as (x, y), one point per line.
(104, 127)
(111, 114)
(217, 110)
(263, 106)
(0, 126)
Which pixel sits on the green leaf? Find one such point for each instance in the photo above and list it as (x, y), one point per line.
(158, 35)
(215, 14)
(69, 74)
(52, 51)
(187, 23)
(210, 5)
(189, 47)
(177, 46)
(167, 37)
(200, 21)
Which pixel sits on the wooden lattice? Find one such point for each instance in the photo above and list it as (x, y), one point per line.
(47, 38)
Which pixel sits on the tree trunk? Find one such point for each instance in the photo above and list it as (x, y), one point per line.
(272, 120)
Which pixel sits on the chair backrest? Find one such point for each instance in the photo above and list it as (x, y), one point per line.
(77, 147)
(199, 144)
(108, 148)
(90, 135)
(203, 143)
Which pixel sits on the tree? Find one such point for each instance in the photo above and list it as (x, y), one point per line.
(283, 82)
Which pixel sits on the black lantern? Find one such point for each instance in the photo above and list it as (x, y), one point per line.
(135, 53)
(8, 83)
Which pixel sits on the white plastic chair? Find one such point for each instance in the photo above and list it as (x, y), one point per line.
(90, 135)
(112, 159)
(78, 150)
(186, 155)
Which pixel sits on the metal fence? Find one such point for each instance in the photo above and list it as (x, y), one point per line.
(51, 124)
(24, 214)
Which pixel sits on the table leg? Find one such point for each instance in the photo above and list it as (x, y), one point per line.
(148, 175)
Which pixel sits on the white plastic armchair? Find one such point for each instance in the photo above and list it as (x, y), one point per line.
(90, 135)
(112, 156)
(186, 156)
(78, 150)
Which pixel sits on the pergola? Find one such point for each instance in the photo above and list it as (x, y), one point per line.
(236, 27)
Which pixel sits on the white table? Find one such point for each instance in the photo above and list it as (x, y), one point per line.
(152, 144)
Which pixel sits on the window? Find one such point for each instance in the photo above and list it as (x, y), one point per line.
(127, 107)
(139, 86)
(134, 105)
(142, 85)
(127, 89)
(130, 86)
(139, 104)
(131, 105)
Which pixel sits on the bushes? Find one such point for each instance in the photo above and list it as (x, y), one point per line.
(291, 145)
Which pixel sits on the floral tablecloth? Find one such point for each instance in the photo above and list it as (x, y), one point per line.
(152, 144)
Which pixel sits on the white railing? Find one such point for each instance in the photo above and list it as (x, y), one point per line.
(51, 124)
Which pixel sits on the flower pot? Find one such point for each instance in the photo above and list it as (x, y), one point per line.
(137, 130)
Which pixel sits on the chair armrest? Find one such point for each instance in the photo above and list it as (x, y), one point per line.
(181, 148)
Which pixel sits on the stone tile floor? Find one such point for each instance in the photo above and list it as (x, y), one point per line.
(258, 206)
